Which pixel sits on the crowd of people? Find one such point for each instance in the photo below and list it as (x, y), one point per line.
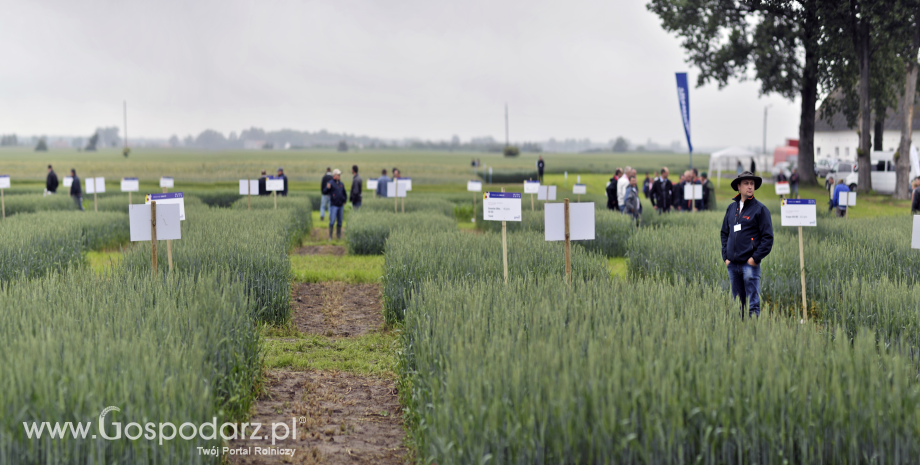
(665, 195)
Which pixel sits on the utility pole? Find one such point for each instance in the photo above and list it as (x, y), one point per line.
(125, 109)
(506, 125)
(765, 128)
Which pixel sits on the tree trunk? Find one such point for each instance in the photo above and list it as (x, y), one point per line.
(879, 131)
(809, 95)
(864, 183)
(902, 156)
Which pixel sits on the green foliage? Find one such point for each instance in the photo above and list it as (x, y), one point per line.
(612, 229)
(368, 230)
(642, 372)
(34, 244)
(511, 151)
(221, 198)
(507, 176)
(413, 203)
(173, 350)
(252, 245)
(412, 258)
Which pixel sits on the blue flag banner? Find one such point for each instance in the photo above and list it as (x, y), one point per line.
(683, 96)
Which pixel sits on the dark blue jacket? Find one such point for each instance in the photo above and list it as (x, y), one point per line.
(755, 239)
(336, 193)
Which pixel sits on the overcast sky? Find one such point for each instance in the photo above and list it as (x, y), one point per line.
(385, 68)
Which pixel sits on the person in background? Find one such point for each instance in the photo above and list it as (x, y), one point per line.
(355, 195)
(76, 191)
(747, 239)
(739, 169)
(631, 204)
(915, 198)
(337, 199)
(661, 192)
(284, 178)
(794, 183)
(324, 200)
(677, 193)
(693, 178)
(611, 191)
(622, 183)
(51, 183)
(646, 184)
(753, 166)
(540, 166)
(262, 189)
(829, 185)
(382, 182)
(781, 177)
(709, 192)
(841, 210)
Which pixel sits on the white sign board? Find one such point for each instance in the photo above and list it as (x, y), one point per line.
(408, 182)
(782, 188)
(581, 221)
(799, 212)
(171, 198)
(531, 187)
(68, 181)
(501, 206)
(847, 198)
(273, 184)
(166, 182)
(546, 193)
(167, 222)
(371, 184)
(130, 185)
(915, 240)
(579, 189)
(474, 186)
(391, 189)
(5, 181)
(693, 192)
(249, 187)
(95, 185)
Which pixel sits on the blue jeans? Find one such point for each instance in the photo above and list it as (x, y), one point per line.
(323, 205)
(78, 199)
(335, 214)
(622, 208)
(745, 280)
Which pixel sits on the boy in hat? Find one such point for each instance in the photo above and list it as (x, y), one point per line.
(747, 238)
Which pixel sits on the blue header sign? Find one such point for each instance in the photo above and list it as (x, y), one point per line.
(501, 195)
(683, 97)
(798, 202)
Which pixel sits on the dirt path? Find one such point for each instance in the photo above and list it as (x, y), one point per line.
(321, 233)
(337, 309)
(341, 418)
(337, 250)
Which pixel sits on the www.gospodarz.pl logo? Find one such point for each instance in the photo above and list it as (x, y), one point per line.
(160, 432)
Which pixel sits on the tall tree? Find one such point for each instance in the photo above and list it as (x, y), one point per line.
(860, 59)
(911, 28)
(779, 38)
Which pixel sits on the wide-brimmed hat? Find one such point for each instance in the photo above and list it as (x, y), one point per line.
(336, 171)
(747, 175)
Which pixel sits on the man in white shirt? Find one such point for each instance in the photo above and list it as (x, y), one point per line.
(622, 184)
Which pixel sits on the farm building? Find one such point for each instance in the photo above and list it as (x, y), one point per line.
(834, 139)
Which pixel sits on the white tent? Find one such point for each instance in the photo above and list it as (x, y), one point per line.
(727, 160)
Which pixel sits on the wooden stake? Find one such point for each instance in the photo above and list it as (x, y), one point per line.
(153, 235)
(403, 203)
(95, 189)
(505, 246)
(2, 204)
(169, 253)
(395, 195)
(568, 256)
(275, 195)
(249, 194)
(164, 190)
(531, 202)
(129, 197)
(802, 267)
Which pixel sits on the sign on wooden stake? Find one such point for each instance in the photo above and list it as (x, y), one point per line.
(795, 212)
(504, 207)
(149, 223)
